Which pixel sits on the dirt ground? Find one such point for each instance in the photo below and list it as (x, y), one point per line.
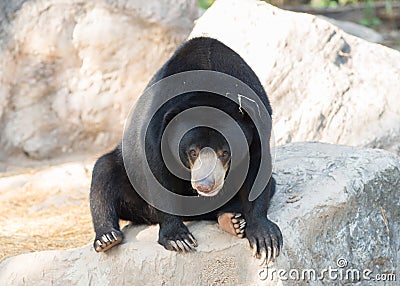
(45, 209)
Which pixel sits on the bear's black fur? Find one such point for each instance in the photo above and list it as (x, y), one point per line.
(112, 196)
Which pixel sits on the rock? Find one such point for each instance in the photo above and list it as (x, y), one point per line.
(71, 70)
(324, 85)
(332, 203)
(356, 30)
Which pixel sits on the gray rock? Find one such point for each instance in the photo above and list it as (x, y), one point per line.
(356, 30)
(324, 85)
(71, 70)
(332, 203)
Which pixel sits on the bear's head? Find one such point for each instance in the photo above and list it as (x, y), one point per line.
(206, 153)
(203, 147)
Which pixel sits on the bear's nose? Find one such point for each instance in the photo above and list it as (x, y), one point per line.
(205, 185)
(203, 188)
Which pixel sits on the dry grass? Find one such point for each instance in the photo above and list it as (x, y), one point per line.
(37, 214)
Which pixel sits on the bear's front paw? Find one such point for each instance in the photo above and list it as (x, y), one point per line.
(265, 239)
(177, 239)
(104, 241)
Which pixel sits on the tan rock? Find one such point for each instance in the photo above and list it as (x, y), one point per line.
(71, 70)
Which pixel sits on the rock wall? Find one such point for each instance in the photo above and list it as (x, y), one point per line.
(71, 70)
(324, 85)
(337, 207)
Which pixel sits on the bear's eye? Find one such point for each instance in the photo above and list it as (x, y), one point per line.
(193, 153)
(225, 154)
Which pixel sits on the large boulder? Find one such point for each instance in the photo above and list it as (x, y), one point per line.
(337, 206)
(324, 85)
(71, 70)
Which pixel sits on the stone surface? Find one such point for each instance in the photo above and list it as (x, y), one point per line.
(71, 70)
(332, 202)
(357, 30)
(323, 84)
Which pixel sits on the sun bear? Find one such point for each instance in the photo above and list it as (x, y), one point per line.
(203, 150)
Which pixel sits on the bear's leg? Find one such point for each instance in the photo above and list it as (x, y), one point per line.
(104, 200)
(174, 234)
(264, 236)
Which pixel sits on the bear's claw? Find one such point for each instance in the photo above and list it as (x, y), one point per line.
(234, 223)
(180, 240)
(265, 239)
(107, 240)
